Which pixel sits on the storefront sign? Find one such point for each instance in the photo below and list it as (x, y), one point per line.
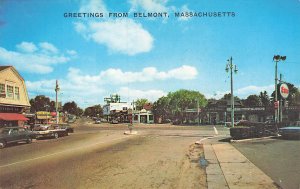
(43, 115)
(10, 109)
(248, 109)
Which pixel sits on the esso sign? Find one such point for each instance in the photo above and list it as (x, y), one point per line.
(284, 90)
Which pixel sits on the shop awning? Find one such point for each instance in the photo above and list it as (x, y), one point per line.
(12, 117)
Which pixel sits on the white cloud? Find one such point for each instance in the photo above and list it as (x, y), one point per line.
(48, 47)
(184, 72)
(92, 6)
(248, 90)
(88, 89)
(133, 94)
(83, 94)
(34, 60)
(149, 5)
(243, 92)
(124, 36)
(72, 52)
(184, 8)
(117, 76)
(26, 47)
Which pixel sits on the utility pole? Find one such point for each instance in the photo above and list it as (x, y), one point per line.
(276, 59)
(56, 101)
(230, 66)
(198, 112)
(280, 105)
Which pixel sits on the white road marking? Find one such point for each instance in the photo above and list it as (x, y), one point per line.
(216, 131)
(61, 152)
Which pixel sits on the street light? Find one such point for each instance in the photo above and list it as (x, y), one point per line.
(56, 104)
(230, 66)
(276, 59)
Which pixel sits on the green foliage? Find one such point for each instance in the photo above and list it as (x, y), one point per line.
(42, 103)
(175, 103)
(139, 103)
(72, 108)
(228, 97)
(252, 101)
(94, 111)
(264, 99)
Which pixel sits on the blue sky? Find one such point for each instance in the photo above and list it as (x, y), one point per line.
(148, 57)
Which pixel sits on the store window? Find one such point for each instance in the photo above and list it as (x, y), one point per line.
(150, 117)
(2, 90)
(17, 93)
(10, 91)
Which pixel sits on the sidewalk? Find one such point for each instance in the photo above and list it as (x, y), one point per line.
(229, 169)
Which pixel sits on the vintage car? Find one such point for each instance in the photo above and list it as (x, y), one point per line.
(291, 132)
(49, 131)
(15, 135)
(114, 121)
(65, 126)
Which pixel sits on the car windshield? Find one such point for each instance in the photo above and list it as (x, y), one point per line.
(40, 128)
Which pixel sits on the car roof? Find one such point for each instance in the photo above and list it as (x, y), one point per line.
(12, 127)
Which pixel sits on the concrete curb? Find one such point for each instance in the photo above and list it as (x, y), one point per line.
(253, 139)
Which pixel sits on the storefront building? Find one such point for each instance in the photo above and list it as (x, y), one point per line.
(219, 112)
(14, 102)
(143, 116)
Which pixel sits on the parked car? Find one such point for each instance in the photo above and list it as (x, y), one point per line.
(114, 121)
(15, 135)
(97, 121)
(49, 131)
(291, 132)
(67, 127)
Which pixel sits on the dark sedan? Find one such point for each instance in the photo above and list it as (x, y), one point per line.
(15, 135)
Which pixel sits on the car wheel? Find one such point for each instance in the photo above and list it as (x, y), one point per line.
(56, 135)
(29, 140)
(2, 144)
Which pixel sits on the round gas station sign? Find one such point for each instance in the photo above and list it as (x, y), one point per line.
(284, 90)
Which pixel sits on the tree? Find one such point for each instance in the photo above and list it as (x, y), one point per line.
(94, 111)
(72, 108)
(252, 101)
(175, 103)
(264, 99)
(185, 99)
(162, 109)
(228, 97)
(42, 103)
(139, 103)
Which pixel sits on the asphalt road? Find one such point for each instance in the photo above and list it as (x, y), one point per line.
(101, 156)
(278, 158)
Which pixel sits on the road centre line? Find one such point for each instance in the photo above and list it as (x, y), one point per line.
(61, 152)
